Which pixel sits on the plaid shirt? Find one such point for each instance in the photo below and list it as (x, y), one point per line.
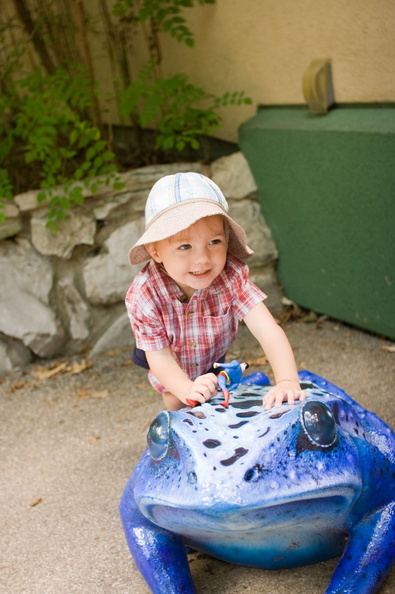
(198, 331)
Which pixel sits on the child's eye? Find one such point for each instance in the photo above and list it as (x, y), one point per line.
(216, 241)
(185, 246)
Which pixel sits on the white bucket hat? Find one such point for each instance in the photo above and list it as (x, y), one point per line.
(175, 203)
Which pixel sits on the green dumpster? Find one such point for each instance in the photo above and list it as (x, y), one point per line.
(327, 190)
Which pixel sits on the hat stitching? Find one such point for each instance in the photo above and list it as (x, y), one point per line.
(173, 206)
(177, 183)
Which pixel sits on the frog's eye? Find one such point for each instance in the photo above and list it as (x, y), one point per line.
(319, 424)
(158, 436)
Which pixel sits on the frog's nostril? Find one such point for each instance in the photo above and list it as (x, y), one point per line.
(318, 424)
(252, 474)
(249, 475)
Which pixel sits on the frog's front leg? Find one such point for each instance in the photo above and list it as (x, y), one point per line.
(159, 555)
(368, 556)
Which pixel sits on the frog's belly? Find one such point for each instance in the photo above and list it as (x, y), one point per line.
(284, 535)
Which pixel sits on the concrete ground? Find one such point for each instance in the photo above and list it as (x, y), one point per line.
(71, 434)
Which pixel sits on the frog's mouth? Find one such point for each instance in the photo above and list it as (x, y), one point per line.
(310, 510)
(285, 534)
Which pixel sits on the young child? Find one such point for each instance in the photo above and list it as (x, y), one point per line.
(186, 303)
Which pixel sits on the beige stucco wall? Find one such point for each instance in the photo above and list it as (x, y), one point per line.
(264, 46)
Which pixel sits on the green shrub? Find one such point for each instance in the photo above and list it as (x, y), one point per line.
(41, 116)
(179, 111)
(51, 134)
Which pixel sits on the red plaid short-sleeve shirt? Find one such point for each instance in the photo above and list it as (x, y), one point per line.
(198, 331)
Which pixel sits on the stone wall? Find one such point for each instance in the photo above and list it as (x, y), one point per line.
(63, 293)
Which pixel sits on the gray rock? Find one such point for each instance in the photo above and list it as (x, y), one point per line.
(248, 214)
(13, 354)
(27, 201)
(145, 177)
(107, 276)
(28, 319)
(10, 228)
(233, 175)
(76, 309)
(119, 334)
(77, 229)
(61, 295)
(25, 269)
(105, 208)
(24, 299)
(12, 224)
(266, 280)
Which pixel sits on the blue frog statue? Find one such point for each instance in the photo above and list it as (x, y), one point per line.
(271, 489)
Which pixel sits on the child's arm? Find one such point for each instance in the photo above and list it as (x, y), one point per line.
(275, 344)
(171, 376)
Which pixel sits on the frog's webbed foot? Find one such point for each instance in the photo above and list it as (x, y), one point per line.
(159, 555)
(369, 555)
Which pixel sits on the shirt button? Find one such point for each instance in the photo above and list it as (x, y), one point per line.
(191, 314)
(192, 344)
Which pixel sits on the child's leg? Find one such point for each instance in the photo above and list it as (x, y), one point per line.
(171, 402)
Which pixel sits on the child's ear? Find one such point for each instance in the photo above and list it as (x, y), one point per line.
(151, 249)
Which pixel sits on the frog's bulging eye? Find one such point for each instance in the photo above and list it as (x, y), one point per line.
(158, 436)
(318, 424)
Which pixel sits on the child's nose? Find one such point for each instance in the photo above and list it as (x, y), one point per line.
(203, 255)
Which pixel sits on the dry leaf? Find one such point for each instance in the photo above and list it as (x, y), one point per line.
(43, 373)
(18, 385)
(260, 361)
(36, 502)
(388, 348)
(79, 367)
(99, 394)
(93, 439)
(83, 394)
(309, 317)
(90, 393)
(117, 351)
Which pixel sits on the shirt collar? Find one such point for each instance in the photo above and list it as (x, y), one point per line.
(164, 284)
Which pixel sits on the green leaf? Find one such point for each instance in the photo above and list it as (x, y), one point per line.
(108, 156)
(76, 195)
(79, 173)
(195, 144)
(118, 186)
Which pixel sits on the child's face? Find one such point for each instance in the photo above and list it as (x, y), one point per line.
(194, 257)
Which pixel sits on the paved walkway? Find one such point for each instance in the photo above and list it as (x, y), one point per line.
(69, 443)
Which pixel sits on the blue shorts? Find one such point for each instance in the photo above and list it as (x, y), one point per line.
(139, 358)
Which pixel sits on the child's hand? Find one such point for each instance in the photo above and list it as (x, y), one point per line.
(202, 389)
(285, 390)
